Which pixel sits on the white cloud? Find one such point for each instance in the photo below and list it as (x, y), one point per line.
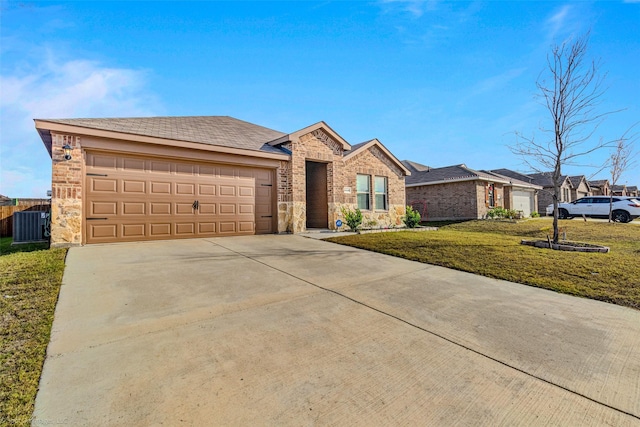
(55, 88)
(416, 8)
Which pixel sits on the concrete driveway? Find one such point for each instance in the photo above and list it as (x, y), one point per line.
(284, 330)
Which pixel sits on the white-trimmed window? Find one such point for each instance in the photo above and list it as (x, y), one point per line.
(363, 191)
(380, 188)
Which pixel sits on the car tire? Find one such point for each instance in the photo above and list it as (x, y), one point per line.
(563, 214)
(620, 216)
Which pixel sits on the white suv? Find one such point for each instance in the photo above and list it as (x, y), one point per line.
(623, 210)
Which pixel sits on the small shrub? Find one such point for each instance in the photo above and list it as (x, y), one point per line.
(535, 214)
(499, 212)
(352, 218)
(411, 218)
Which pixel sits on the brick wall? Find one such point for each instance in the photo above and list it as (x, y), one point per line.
(66, 192)
(317, 146)
(455, 200)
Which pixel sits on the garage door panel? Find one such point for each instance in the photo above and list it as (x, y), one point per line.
(245, 191)
(103, 185)
(133, 164)
(227, 190)
(185, 228)
(245, 209)
(160, 188)
(160, 229)
(207, 227)
(159, 167)
(245, 226)
(227, 209)
(160, 208)
(103, 161)
(103, 208)
(227, 227)
(206, 171)
(141, 199)
(184, 209)
(136, 187)
(102, 231)
(133, 230)
(133, 208)
(206, 190)
(227, 172)
(185, 169)
(207, 209)
(185, 189)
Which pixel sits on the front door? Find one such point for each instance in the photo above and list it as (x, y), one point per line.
(317, 202)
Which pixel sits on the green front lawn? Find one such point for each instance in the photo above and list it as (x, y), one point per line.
(29, 285)
(493, 249)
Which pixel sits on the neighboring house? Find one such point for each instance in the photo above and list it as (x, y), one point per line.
(459, 192)
(580, 186)
(545, 197)
(600, 187)
(152, 178)
(619, 190)
(543, 180)
(6, 201)
(632, 191)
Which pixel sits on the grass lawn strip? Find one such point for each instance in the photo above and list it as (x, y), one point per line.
(493, 249)
(29, 286)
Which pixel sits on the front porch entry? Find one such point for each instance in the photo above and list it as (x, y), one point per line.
(316, 192)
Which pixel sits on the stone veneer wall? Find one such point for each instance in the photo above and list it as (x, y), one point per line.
(66, 192)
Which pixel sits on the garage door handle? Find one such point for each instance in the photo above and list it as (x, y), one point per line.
(195, 205)
(267, 185)
(266, 216)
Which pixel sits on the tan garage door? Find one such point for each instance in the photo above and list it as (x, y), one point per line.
(132, 198)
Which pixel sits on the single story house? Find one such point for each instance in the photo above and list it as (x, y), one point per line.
(134, 179)
(600, 187)
(632, 190)
(459, 192)
(544, 180)
(581, 187)
(619, 190)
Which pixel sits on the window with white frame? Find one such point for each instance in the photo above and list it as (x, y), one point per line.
(380, 188)
(363, 191)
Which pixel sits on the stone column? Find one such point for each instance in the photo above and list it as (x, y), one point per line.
(66, 192)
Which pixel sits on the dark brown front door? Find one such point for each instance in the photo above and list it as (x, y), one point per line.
(317, 202)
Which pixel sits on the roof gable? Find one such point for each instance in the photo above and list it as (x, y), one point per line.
(314, 128)
(380, 151)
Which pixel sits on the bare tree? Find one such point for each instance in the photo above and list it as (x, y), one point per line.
(621, 160)
(571, 88)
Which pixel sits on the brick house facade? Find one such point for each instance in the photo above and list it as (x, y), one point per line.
(304, 178)
(459, 192)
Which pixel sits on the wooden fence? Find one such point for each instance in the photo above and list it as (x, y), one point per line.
(6, 215)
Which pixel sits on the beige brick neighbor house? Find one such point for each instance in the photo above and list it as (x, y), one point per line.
(134, 179)
(459, 192)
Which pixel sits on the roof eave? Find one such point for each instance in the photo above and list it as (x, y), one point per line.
(45, 127)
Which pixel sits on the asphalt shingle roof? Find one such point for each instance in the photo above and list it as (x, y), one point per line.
(222, 131)
(447, 173)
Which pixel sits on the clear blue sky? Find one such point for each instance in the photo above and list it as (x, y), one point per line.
(439, 83)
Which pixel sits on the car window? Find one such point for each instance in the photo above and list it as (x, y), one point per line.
(584, 200)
